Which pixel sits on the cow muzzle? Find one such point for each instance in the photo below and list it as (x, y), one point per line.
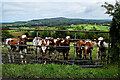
(86, 47)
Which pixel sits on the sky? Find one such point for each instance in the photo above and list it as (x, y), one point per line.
(24, 10)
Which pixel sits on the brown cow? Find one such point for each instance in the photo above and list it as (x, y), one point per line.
(79, 48)
(52, 45)
(17, 44)
(64, 46)
(88, 46)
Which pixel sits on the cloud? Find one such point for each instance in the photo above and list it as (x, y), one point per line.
(20, 11)
(85, 1)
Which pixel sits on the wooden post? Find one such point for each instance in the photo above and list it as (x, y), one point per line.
(37, 50)
(74, 48)
(37, 34)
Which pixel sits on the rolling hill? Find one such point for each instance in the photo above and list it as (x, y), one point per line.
(50, 22)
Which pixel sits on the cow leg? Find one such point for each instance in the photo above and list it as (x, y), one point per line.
(9, 59)
(13, 59)
(98, 54)
(80, 55)
(64, 56)
(67, 56)
(44, 62)
(55, 54)
(84, 57)
(49, 54)
(77, 54)
(25, 55)
(101, 57)
(21, 56)
(37, 50)
(9, 52)
(59, 55)
(90, 55)
(34, 47)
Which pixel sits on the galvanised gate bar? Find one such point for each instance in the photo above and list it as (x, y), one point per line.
(35, 56)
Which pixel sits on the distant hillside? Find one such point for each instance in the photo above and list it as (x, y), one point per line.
(54, 22)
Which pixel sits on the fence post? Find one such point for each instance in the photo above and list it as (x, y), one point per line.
(74, 48)
(37, 49)
(37, 34)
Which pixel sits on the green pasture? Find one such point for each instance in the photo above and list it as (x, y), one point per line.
(58, 71)
(86, 26)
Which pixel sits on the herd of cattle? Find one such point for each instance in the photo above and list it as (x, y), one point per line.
(50, 44)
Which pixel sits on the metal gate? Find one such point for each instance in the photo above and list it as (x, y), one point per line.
(35, 56)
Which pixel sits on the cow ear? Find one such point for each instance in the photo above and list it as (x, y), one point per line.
(104, 39)
(83, 41)
(95, 38)
(12, 40)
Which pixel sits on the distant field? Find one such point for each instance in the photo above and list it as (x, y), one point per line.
(87, 27)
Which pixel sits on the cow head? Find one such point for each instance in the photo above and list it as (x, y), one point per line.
(44, 46)
(24, 36)
(57, 41)
(67, 41)
(79, 45)
(100, 41)
(87, 46)
(23, 39)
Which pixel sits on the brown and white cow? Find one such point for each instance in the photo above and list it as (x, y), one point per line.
(16, 44)
(88, 46)
(79, 48)
(37, 41)
(64, 46)
(102, 48)
(52, 45)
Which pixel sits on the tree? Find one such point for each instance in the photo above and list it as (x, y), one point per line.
(61, 34)
(114, 10)
(6, 34)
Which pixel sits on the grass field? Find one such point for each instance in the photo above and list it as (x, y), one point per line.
(58, 71)
(87, 27)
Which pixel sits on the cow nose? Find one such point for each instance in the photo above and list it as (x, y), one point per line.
(44, 53)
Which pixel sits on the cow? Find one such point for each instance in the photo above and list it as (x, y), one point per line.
(102, 48)
(40, 45)
(17, 44)
(36, 42)
(52, 45)
(88, 46)
(64, 46)
(79, 48)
